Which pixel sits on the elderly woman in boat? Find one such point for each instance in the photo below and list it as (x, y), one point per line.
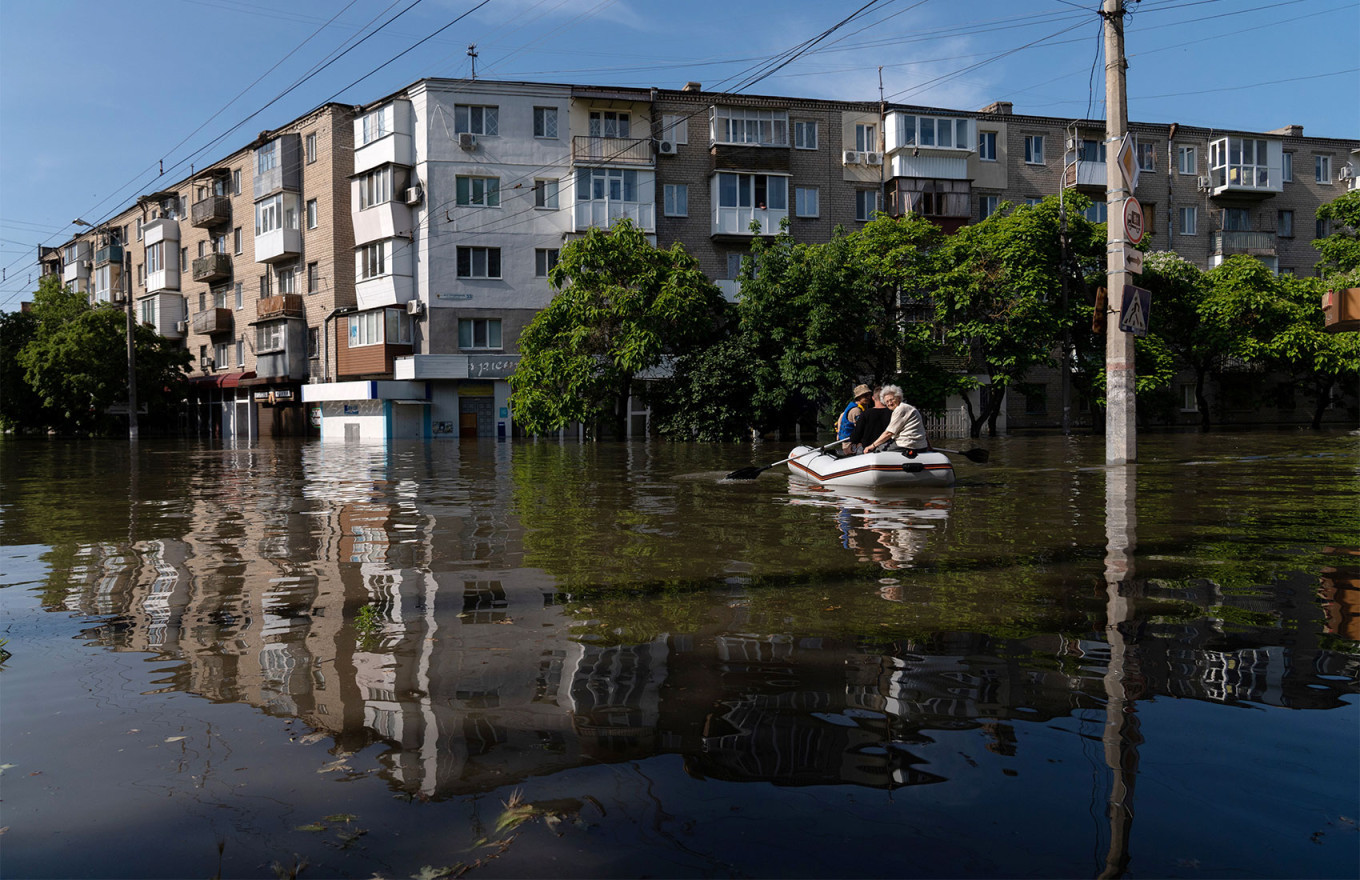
(905, 429)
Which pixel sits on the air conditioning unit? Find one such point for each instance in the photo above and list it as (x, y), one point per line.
(666, 148)
(1203, 183)
(1344, 173)
(415, 307)
(182, 326)
(205, 364)
(873, 158)
(1071, 145)
(413, 195)
(467, 141)
(852, 157)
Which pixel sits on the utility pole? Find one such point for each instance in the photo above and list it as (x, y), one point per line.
(131, 346)
(1121, 440)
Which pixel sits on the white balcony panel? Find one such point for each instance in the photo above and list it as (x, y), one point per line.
(935, 167)
(160, 230)
(730, 288)
(167, 278)
(431, 366)
(603, 213)
(737, 221)
(80, 269)
(385, 290)
(386, 220)
(278, 244)
(1091, 174)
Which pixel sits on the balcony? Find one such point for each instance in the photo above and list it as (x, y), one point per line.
(213, 267)
(212, 211)
(112, 253)
(1085, 174)
(210, 321)
(593, 150)
(604, 213)
(1228, 242)
(286, 305)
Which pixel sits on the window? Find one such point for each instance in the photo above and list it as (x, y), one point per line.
(612, 184)
(1187, 160)
(1322, 229)
(472, 119)
(759, 191)
(987, 206)
(1146, 155)
(392, 326)
(266, 158)
(1034, 149)
(1188, 401)
(311, 213)
(274, 213)
(287, 280)
(1288, 168)
(266, 286)
(310, 142)
(987, 146)
(1237, 219)
(235, 186)
(933, 131)
(221, 298)
(743, 125)
(609, 123)
(1189, 219)
(270, 337)
(545, 193)
(675, 128)
(372, 260)
(866, 137)
(375, 187)
(544, 260)
(1098, 212)
(474, 333)
(139, 228)
(675, 200)
(805, 201)
(734, 266)
(1239, 162)
(1033, 201)
(1091, 150)
(222, 355)
(479, 262)
(805, 135)
(146, 311)
(236, 240)
(313, 342)
(375, 125)
(141, 274)
(154, 261)
(240, 295)
(866, 203)
(478, 191)
(184, 259)
(1322, 169)
(545, 122)
(240, 352)
(1285, 223)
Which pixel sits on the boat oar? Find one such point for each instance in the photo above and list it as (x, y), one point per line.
(750, 473)
(978, 455)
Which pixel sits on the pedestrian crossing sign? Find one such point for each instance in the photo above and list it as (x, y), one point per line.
(1133, 316)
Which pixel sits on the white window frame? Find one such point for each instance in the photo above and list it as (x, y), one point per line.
(1187, 160)
(1187, 220)
(287, 280)
(222, 355)
(807, 201)
(237, 241)
(271, 336)
(309, 145)
(608, 185)
(805, 134)
(370, 261)
(675, 200)
(545, 123)
(1099, 212)
(1145, 154)
(865, 212)
(268, 214)
(478, 261)
(376, 125)
(482, 120)
(610, 123)
(1322, 169)
(866, 137)
(479, 334)
(266, 158)
(375, 187)
(311, 213)
(545, 193)
(544, 260)
(155, 261)
(475, 191)
(987, 206)
(1222, 167)
(1034, 149)
(750, 125)
(1284, 223)
(1287, 167)
(925, 131)
(986, 146)
(675, 128)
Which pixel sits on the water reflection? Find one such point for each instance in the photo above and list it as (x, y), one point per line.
(535, 610)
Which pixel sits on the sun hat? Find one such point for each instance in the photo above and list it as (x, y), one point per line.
(861, 390)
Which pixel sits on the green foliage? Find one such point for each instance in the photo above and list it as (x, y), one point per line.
(622, 306)
(19, 403)
(1340, 251)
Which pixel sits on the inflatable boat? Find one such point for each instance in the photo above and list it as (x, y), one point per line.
(883, 470)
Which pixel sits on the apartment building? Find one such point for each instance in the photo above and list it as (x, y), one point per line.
(453, 199)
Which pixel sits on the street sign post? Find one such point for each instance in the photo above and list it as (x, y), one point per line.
(1133, 316)
(1133, 220)
(1127, 163)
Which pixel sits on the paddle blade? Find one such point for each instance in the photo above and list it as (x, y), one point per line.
(746, 473)
(978, 455)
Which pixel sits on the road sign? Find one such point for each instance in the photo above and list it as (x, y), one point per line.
(1133, 316)
(1133, 220)
(1133, 260)
(1127, 162)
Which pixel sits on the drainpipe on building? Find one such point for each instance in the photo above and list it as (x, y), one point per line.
(1170, 186)
(326, 340)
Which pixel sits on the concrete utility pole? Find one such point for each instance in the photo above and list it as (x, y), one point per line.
(1121, 439)
(131, 346)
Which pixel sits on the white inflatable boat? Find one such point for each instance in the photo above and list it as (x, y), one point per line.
(878, 469)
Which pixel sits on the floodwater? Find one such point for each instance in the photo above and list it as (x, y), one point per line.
(559, 660)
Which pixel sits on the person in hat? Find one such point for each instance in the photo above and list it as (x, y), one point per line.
(861, 399)
(871, 423)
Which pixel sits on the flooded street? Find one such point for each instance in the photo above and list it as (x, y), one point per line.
(541, 659)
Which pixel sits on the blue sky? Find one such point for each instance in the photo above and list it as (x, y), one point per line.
(96, 98)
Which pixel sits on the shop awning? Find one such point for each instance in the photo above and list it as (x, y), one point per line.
(221, 380)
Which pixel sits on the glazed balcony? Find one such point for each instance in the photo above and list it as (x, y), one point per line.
(217, 320)
(213, 267)
(212, 211)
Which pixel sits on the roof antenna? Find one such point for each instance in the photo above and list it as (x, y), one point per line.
(880, 83)
(472, 53)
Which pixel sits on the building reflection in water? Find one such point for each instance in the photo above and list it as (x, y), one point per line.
(475, 676)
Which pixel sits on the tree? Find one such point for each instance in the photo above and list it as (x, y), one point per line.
(997, 292)
(76, 362)
(1340, 251)
(622, 306)
(1183, 325)
(20, 406)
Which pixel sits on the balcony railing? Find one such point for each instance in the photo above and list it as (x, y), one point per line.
(285, 305)
(1228, 242)
(589, 150)
(216, 320)
(212, 211)
(213, 267)
(112, 253)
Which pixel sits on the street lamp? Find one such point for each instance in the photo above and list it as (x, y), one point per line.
(79, 222)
